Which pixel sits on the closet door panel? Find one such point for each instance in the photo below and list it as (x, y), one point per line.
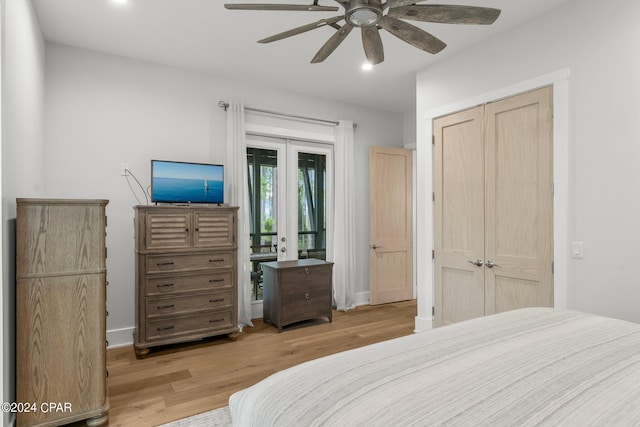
(459, 216)
(519, 211)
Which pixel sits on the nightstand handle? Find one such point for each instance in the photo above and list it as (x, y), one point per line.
(306, 270)
(306, 295)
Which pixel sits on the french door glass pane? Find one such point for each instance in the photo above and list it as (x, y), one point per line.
(263, 201)
(312, 227)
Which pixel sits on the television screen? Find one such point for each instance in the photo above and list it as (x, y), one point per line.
(182, 182)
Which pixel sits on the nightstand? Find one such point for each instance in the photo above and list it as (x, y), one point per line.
(297, 290)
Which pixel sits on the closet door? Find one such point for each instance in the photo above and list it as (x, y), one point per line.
(519, 202)
(459, 216)
(493, 208)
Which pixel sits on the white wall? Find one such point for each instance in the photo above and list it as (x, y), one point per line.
(104, 110)
(598, 44)
(22, 154)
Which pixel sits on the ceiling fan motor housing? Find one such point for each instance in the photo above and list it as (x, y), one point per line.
(363, 13)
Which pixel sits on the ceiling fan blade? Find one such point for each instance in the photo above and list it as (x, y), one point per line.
(398, 3)
(372, 44)
(447, 14)
(412, 35)
(331, 44)
(264, 6)
(302, 29)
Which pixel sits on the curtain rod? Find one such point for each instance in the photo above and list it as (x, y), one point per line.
(225, 105)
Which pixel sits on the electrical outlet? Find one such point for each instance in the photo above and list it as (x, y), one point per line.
(124, 167)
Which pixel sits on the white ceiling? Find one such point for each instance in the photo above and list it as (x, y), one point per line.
(203, 35)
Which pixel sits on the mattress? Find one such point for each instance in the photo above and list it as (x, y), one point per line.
(529, 367)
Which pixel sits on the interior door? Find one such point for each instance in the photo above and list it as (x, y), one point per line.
(391, 228)
(459, 216)
(519, 202)
(493, 208)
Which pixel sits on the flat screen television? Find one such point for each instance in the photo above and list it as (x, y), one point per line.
(183, 182)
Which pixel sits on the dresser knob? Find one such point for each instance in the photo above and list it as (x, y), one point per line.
(306, 295)
(306, 270)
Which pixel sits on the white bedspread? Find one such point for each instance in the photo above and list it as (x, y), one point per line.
(527, 367)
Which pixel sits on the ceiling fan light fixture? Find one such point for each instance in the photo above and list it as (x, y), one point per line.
(363, 13)
(367, 66)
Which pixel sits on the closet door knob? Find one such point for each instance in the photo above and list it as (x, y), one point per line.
(477, 262)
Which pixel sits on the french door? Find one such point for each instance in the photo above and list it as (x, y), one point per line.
(290, 198)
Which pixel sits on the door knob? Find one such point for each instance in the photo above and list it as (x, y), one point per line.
(374, 246)
(477, 262)
(283, 249)
(490, 264)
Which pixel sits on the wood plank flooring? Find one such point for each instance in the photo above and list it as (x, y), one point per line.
(183, 380)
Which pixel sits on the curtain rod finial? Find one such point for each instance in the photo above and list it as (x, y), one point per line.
(223, 105)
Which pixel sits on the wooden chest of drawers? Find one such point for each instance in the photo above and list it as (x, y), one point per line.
(186, 274)
(61, 280)
(295, 291)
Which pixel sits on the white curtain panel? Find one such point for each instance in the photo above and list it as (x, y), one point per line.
(238, 195)
(344, 250)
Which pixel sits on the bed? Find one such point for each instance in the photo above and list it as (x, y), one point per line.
(534, 366)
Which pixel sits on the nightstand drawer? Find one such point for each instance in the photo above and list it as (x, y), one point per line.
(175, 284)
(169, 263)
(306, 296)
(307, 305)
(157, 307)
(293, 288)
(164, 328)
(317, 274)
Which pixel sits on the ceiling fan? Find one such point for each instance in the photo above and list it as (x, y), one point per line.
(369, 16)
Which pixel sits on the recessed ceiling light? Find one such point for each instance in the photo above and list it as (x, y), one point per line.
(367, 66)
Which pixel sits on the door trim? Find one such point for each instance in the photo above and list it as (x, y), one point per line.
(425, 231)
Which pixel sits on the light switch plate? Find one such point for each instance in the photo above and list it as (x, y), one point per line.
(576, 250)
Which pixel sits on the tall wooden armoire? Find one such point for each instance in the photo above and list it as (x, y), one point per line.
(61, 311)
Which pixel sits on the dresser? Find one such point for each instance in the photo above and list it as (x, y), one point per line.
(297, 290)
(61, 311)
(186, 274)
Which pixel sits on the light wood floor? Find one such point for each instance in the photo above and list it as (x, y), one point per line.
(184, 380)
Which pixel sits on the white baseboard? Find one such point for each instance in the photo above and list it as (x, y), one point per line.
(362, 298)
(120, 337)
(423, 324)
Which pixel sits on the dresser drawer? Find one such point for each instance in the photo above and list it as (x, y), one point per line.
(166, 328)
(317, 274)
(163, 306)
(188, 262)
(176, 284)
